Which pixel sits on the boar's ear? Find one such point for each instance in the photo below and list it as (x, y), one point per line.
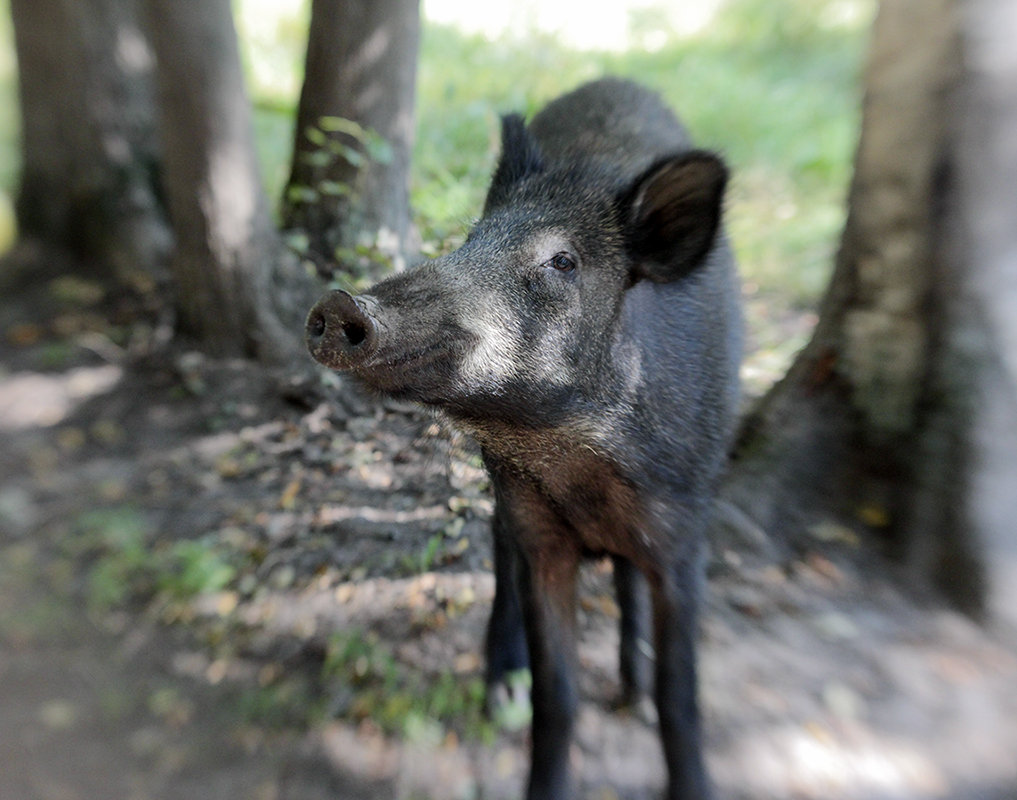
(520, 157)
(673, 213)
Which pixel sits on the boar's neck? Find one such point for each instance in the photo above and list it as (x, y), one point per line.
(588, 448)
(562, 472)
(608, 504)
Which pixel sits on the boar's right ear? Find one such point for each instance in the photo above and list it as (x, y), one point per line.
(672, 214)
(520, 158)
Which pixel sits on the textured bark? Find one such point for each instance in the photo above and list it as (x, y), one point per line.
(361, 66)
(843, 413)
(227, 249)
(879, 417)
(980, 344)
(89, 156)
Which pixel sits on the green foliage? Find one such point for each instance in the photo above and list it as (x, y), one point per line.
(10, 124)
(362, 265)
(772, 84)
(340, 148)
(458, 111)
(441, 548)
(279, 704)
(335, 139)
(274, 131)
(368, 682)
(116, 538)
(125, 567)
(193, 567)
(426, 559)
(374, 146)
(515, 712)
(57, 354)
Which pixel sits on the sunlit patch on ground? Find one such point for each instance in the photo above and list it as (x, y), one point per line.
(40, 400)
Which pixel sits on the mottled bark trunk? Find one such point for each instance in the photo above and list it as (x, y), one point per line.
(227, 249)
(89, 159)
(979, 345)
(346, 194)
(877, 418)
(845, 409)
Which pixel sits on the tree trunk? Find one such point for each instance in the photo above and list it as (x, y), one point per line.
(227, 250)
(983, 309)
(877, 418)
(89, 158)
(349, 186)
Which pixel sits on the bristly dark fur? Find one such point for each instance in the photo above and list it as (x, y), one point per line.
(520, 158)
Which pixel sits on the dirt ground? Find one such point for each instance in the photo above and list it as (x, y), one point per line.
(216, 582)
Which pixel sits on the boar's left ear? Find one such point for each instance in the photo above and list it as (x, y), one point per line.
(520, 158)
(672, 213)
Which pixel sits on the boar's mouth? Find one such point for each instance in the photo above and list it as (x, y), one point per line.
(347, 333)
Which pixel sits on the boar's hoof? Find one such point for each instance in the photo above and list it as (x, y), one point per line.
(339, 333)
(638, 705)
(507, 703)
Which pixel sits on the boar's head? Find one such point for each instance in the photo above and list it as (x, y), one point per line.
(521, 322)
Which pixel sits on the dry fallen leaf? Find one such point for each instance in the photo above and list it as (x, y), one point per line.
(874, 516)
(289, 496)
(834, 532)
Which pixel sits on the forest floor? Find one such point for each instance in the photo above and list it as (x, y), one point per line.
(217, 581)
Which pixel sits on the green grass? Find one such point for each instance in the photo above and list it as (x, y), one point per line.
(774, 86)
(367, 681)
(125, 566)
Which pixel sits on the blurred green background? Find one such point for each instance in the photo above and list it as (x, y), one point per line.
(772, 84)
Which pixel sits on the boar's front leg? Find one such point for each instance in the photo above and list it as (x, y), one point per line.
(505, 647)
(635, 657)
(547, 566)
(675, 586)
(547, 586)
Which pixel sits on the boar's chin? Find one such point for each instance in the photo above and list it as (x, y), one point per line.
(426, 375)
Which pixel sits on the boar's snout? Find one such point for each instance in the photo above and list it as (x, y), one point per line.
(339, 333)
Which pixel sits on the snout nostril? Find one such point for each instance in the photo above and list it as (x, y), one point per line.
(339, 332)
(354, 332)
(316, 326)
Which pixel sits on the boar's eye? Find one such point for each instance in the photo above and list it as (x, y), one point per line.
(562, 262)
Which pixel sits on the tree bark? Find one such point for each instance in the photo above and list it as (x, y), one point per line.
(227, 249)
(878, 419)
(347, 194)
(982, 344)
(89, 155)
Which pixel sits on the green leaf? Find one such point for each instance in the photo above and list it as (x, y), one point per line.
(347, 152)
(317, 158)
(379, 150)
(301, 194)
(334, 189)
(315, 136)
(343, 125)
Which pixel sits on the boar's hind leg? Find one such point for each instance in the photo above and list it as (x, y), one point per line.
(548, 590)
(674, 612)
(635, 657)
(506, 639)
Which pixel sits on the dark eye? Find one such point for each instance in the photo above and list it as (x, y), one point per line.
(562, 262)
